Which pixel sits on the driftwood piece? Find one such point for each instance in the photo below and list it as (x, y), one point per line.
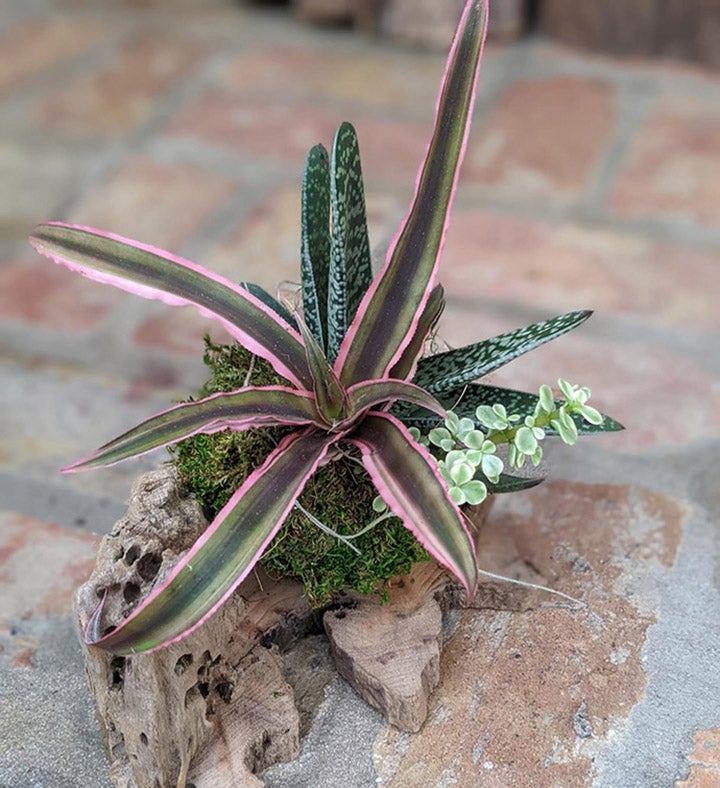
(216, 699)
(390, 655)
(219, 706)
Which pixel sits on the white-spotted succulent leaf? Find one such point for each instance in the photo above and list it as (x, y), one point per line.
(465, 400)
(350, 260)
(315, 242)
(454, 368)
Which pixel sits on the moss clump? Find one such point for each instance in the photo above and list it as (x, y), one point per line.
(340, 495)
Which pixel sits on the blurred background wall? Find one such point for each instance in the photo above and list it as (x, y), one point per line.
(685, 29)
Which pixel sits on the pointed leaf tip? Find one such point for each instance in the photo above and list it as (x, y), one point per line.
(388, 314)
(150, 272)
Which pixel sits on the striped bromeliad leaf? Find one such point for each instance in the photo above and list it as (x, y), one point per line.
(376, 393)
(408, 481)
(223, 556)
(446, 371)
(385, 323)
(330, 396)
(153, 273)
(248, 408)
(406, 365)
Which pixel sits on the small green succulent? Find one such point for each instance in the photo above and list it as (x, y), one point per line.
(466, 448)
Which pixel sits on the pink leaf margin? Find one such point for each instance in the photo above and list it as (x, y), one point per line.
(87, 462)
(93, 622)
(367, 298)
(158, 294)
(406, 508)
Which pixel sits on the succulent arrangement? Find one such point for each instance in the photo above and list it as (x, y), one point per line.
(351, 375)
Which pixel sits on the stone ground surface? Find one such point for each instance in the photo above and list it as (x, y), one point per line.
(589, 183)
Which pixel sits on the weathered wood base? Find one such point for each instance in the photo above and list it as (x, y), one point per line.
(216, 708)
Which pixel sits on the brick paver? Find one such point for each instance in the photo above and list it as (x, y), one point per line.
(35, 47)
(673, 165)
(543, 139)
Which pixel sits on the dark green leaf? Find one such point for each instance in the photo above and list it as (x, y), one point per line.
(315, 242)
(350, 260)
(446, 371)
(465, 400)
(508, 483)
(262, 295)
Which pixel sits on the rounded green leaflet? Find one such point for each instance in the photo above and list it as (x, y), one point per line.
(492, 466)
(475, 492)
(525, 441)
(462, 472)
(547, 401)
(474, 439)
(590, 415)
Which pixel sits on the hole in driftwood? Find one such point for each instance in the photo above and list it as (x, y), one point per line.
(183, 664)
(190, 695)
(148, 566)
(117, 668)
(132, 554)
(225, 690)
(131, 592)
(143, 739)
